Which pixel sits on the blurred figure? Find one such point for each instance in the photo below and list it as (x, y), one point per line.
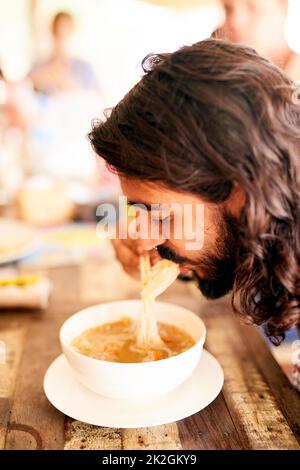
(15, 109)
(61, 72)
(260, 25)
(15, 105)
(57, 145)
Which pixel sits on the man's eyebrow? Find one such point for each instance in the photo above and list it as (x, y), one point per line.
(143, 205)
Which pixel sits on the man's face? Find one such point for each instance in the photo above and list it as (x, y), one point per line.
(64, 29)
(208, 241)
(255, 23)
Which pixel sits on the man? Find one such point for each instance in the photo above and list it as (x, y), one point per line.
(260, 25)
(61, 73)
(215, 124)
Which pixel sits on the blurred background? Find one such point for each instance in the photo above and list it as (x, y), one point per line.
(62, 63)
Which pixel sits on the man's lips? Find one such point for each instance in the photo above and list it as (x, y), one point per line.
(188, 270)
(184, 269)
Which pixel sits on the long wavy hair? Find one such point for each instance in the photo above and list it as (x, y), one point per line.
(203, 118)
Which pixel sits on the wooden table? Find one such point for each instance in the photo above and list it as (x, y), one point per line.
(257, 408)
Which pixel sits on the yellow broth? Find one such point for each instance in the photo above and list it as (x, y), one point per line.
(116, 342)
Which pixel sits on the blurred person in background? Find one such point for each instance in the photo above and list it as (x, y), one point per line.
(63, 84)
(260, 25)
(61, 72)
(16, 115)
(61, 161)
(15, 105)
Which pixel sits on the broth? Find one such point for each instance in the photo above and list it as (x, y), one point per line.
(116, 342)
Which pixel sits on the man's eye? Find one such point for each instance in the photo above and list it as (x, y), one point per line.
(165, 220)
(161, 221)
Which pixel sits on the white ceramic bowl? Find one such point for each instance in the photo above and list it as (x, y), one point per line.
(132, 381)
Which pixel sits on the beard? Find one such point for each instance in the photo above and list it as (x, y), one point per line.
(219, 268)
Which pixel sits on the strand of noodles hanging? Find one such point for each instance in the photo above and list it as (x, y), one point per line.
(155, 280)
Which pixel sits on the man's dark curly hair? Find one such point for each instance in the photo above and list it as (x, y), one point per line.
(203, 118)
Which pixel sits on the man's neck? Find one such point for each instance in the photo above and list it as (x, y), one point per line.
(59, 51)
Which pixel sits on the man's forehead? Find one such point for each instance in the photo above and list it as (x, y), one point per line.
(137, 186)
(152, 193)
(146, 193)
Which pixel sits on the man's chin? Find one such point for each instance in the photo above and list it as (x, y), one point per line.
(214, 289)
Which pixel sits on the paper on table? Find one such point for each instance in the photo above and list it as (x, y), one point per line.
(16, 293)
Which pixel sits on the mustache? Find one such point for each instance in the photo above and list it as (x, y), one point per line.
(169, 254)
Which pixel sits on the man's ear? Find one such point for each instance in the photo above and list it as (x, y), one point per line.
(236, 201)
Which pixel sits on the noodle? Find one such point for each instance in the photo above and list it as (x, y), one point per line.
(123, 340)
(155, 280)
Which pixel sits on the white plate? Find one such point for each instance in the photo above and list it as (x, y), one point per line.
(17, 240)
(21, 254)
(76, 401)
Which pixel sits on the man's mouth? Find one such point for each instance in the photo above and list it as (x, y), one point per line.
(184, 269)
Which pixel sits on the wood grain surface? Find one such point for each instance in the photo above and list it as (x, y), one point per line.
(257, 408)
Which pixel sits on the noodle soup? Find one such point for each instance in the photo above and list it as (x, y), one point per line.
(136, 380)
(116, 342)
